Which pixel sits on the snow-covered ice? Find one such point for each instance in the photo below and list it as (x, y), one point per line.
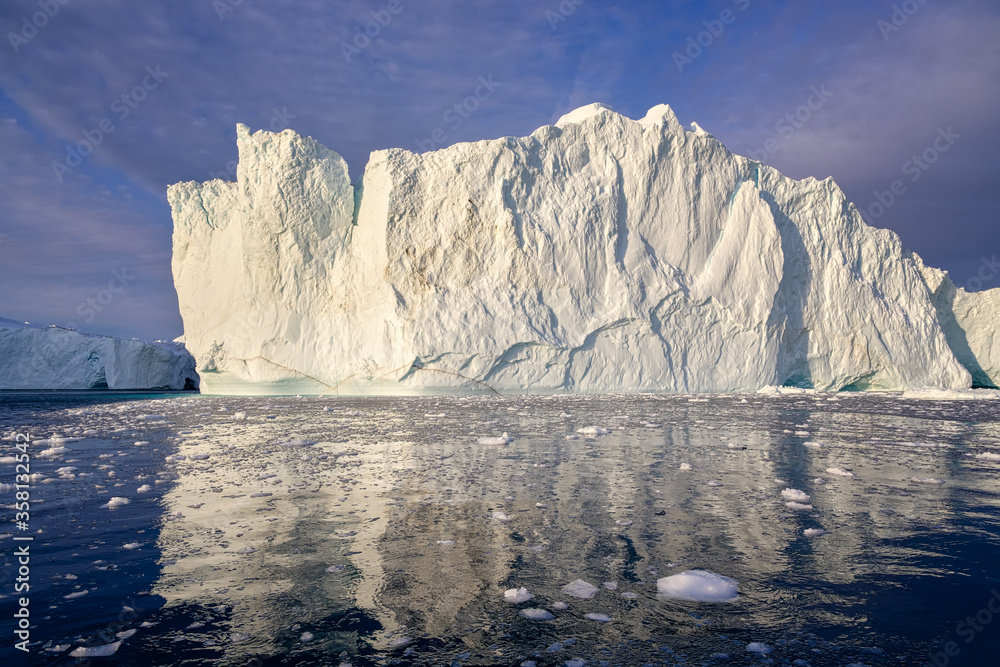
(697, 585)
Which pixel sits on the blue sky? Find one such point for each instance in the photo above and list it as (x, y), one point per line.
(160, 87)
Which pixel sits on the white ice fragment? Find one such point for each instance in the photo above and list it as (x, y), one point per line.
(446, 542)
(560, 606)
(306, 637)
(813, 444)
(131, 545)
(75, 595)
(145, 488)
(239, 637)
(536, 614)
(116, 502)
(600, 618)
(714, 482)
(297, 443)
(501, 516)
(95, 651)
(199, 457)
(592, 430)
(685, 466)
(239, 416)
(125, 634)
(580, 589)
(610, 585)
(796, 495)
(988, 456)
(697, 585)
(813, 532)
(517, 595)
(839, 472)
(246, 550)
(496, 441)
(397, 642)
(798, 506)
(926, 480)
(758, 647)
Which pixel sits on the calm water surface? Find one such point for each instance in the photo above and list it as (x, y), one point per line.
(328, 531)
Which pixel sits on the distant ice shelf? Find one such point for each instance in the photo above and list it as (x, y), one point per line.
(36, 357)
(600, 254)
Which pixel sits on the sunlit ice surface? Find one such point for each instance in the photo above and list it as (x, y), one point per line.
(859, 529)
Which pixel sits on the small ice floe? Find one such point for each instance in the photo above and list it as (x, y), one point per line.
(175, 457)
(132, 545)
(239, 637)
(714, 482)
(799, 507)
(333, 569)
(592, 430)
(572, 437)
(75, 595)
(399, 642)
(988, 456)
(536, 614)
(819, 480)
(580, 589)
(651, 425)
(195, 625)
(629, 595)
(610, 585)
(297, 443)
(66, 470)
(735, 445)
(600, 618)
(199, 457)
(52, 452)
(814, 532)
(496, 441)
(926, 480)
(623, 522)
(306, 637)
(541, 505)
(239, 416)
(517, 595)
(261, 494)
(697, 586)
(125, 634)
(246, 550)
(839, 472)
(560, 606)
(813, 444)
(116, 502)
(685, 466)
(796, 495)
(758, 647)
(501, 516)
(446, 542)
(145, 488)
(102, 651)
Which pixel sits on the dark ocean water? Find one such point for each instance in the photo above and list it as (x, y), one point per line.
(377, 531)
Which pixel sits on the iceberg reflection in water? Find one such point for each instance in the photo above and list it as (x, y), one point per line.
(368, 531)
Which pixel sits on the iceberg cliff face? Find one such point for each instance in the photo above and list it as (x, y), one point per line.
(34, 357)
(600, 254)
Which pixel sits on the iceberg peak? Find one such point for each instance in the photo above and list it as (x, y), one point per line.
(583, 113)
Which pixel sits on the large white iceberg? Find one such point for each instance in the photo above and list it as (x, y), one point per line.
(35, 357)
(600, 254)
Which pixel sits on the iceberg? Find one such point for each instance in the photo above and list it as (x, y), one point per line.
(36, 357)
(597, 255)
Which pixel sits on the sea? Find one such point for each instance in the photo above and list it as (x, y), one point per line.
(846, 529)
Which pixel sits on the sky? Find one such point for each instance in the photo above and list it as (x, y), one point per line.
(104, 103)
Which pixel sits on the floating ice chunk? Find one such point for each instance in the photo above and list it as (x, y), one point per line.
(334, 569)
(175, 457)
(446, 542)
(926, 480)
(66, 470)
(813, 444)
(554, 647)
(75, 595)
(610, 585)
(698, 586)
(796, 495)
(988, 456)
(758, 647)
(131, 545)
(517, 595)
(600, 618)
(199, 457)
(239, 416)
(838, 472)
(560, 606)
(629, 595)
(572, 437)
(116, 502)
(685, 466)
(623, 522)
(125, 634)
(592, 430)
(496, 441)
(246, 550)
(95, 651)
(501, 516)
(52, 452)
(580, 589)
(397, 642)
(261, 494)
(239, 637)
(145, 488)
(798, 506)
(541, 505)
(714, 482)
(813, 532)
(536, 614)
(306, 637)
